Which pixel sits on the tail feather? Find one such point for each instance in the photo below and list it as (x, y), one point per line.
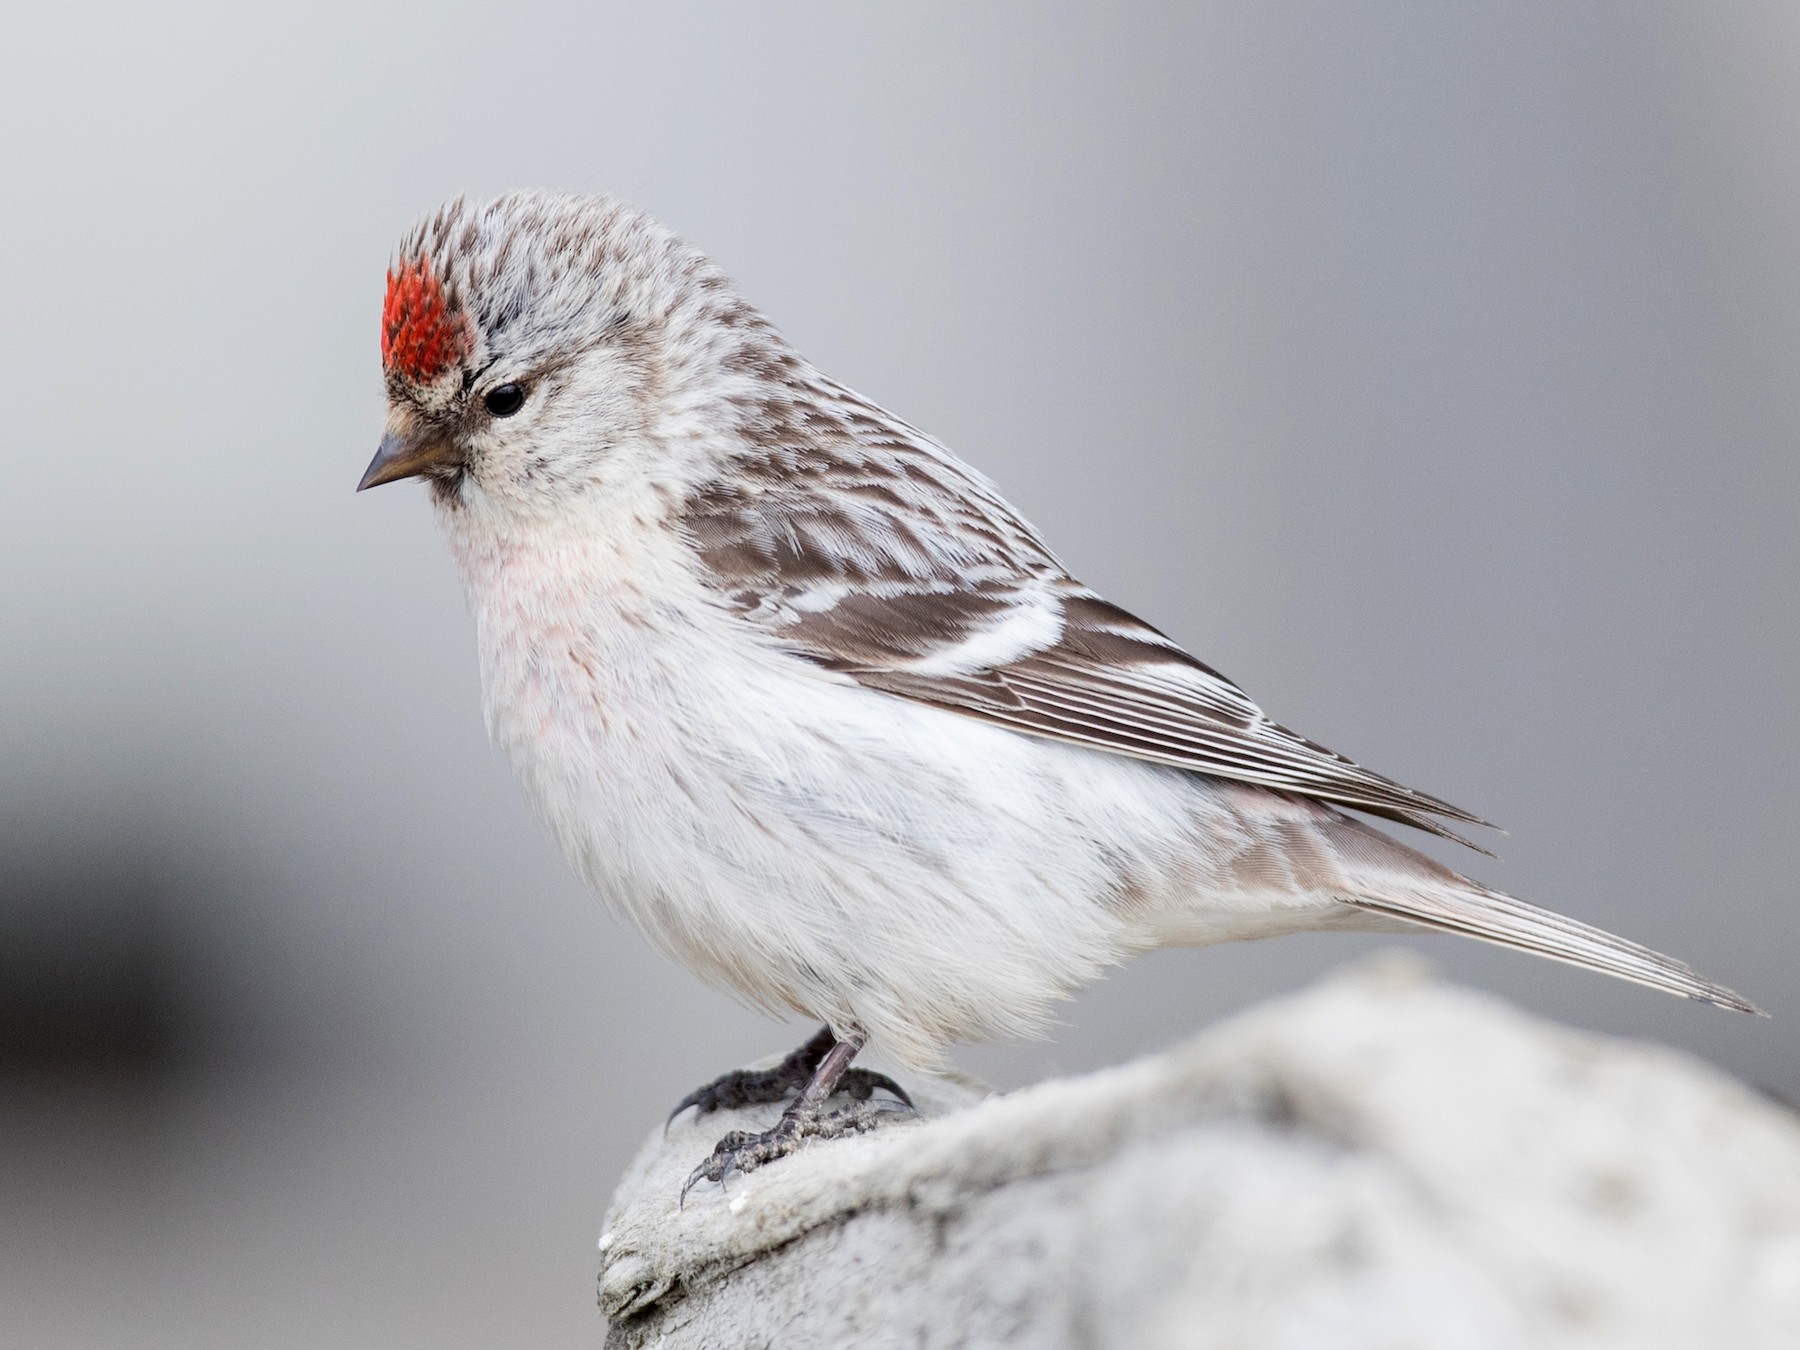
(1507, 922)
(1390, 879)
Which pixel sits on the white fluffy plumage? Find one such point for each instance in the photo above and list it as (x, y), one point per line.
(801, 695)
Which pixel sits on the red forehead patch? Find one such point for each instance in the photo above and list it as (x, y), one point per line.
(420, 338)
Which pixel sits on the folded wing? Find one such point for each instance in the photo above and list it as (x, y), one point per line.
(876, 554)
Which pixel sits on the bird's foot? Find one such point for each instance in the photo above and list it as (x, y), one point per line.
(742, 1151)
(760, 1087)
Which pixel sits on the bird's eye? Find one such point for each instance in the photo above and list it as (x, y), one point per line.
(503, 400)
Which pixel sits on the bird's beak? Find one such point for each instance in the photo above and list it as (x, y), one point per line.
(405, 455)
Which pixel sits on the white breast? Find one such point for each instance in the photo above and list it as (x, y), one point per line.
(807, 843)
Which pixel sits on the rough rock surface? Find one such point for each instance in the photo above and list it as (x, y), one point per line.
(1378, 1162)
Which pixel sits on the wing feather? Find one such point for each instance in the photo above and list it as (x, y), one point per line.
(871, 550)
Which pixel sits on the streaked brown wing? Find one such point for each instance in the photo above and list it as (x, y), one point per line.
(1113, 683)
(877, 554)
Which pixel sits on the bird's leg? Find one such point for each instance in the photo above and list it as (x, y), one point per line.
(806, 1118)
(757, 1087)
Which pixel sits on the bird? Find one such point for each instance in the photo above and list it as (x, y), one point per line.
(805, 699)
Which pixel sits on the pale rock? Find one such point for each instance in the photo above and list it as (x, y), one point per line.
(1380, 1162)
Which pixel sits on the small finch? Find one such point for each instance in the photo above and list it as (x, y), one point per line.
(800, 694)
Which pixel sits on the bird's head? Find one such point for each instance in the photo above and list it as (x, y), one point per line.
(536, 345)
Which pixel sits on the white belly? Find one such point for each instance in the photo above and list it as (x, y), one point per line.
(813, 845)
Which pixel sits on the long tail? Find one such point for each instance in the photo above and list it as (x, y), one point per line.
(1385, 877)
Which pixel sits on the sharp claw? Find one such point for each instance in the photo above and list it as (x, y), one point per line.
(886, 1084)
(693, 1098)
(704, 1173)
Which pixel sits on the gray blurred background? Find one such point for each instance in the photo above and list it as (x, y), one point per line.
(1430, 368)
